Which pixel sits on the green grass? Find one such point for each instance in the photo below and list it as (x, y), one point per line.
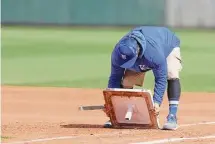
(80, 57)
(5, 137)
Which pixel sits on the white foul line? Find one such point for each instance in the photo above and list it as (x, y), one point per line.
(202, 123)
(43, 140)
(62, 138)
(181, 139)
(161, 141)
(152, 142)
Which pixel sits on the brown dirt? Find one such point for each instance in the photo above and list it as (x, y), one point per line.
(30, 113)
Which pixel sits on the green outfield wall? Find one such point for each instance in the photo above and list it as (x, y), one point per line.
(84, 12)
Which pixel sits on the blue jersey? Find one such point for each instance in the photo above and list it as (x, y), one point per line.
(155, 43)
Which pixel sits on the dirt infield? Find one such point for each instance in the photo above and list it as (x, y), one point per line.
(51, 116)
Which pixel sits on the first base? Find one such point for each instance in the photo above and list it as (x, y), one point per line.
(130, 108)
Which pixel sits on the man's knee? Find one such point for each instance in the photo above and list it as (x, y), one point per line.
(173, 74)
(174, 65)
(174, 68)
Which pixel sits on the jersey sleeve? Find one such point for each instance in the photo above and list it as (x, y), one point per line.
(160, 83)
(160, 74)
(116, 74)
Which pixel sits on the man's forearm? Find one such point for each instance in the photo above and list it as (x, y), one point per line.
(114, 82)
(159, 90)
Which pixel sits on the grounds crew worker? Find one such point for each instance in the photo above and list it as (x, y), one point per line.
(149, 48)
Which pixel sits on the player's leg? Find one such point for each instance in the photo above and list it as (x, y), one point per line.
(132, 78)
(129, 80)
(174, 87)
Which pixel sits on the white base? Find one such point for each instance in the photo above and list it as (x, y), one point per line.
(140, 114)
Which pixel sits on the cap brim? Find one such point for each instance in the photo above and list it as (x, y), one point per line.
(129, 63)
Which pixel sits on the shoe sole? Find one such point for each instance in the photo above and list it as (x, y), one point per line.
(107, 126)
(169, 128)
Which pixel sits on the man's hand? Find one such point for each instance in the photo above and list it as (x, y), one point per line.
(157, 108)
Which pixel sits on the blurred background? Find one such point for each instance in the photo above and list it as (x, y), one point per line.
(177, 13)
(68, 43)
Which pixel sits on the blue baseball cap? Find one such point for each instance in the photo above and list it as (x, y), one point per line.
(126, 52)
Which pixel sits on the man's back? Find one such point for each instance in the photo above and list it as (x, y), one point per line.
(158, 38)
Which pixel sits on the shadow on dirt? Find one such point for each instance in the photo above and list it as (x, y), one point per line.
(81, 126)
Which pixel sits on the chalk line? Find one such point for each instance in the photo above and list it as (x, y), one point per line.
(201, 123)
(64, 138)
(161, 141)
(181, 139)
(43, 140)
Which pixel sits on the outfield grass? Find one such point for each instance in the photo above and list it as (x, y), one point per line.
(5, 137)
(70, 57)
